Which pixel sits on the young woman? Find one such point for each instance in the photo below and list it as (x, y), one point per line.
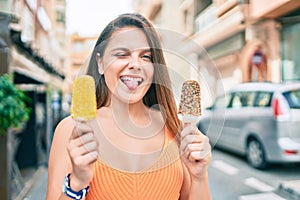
(136, 148)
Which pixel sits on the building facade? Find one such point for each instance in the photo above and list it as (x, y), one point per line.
(32, 43)
(255, 45)
(79, 49)
(245, 40)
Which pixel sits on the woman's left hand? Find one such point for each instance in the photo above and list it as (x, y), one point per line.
(195, 151)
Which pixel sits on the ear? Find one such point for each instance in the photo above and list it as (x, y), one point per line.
(100, 64)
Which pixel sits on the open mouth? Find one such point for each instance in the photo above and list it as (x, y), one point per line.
(131, 82)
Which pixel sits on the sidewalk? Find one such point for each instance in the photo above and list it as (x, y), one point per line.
(36, 187)
(290, 189)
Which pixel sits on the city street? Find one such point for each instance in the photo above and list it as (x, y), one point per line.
(232, 178)
(244, 55)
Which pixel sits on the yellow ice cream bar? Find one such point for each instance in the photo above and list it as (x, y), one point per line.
(190, 101)
(83, 107)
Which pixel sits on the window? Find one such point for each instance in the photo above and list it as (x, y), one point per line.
(290, 55)
(293, 98)
(236, 101)
(243, 99)
(60, 16)
(77, 46)
(263, 99)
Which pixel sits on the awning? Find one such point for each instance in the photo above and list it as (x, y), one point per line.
(26, 62)
(22, 65)
(20, 78)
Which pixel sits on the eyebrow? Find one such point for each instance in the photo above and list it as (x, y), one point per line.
(127, 50)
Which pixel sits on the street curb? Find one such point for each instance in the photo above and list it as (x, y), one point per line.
(290, 189)
(30, 183)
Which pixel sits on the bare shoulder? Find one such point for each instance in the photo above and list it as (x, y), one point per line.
(66, 124)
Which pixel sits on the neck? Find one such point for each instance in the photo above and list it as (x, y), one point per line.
(136, 119)
(135, 112)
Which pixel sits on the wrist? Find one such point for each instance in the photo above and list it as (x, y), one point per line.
(200, 187)
(200, 178)
(73, 193)
(77, 184)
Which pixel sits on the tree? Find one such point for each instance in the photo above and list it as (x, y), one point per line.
(13, 109)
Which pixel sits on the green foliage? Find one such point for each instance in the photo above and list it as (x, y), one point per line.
(13, 109)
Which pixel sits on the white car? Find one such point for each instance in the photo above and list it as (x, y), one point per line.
(258, 120)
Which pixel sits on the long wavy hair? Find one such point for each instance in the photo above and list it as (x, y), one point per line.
(159, 95)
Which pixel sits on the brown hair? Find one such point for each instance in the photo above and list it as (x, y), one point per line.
(159, 95)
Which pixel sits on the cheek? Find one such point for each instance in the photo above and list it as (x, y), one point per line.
(150, 74)
(112, 62)
(111, 78)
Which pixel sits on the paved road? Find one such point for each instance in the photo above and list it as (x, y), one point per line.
(232, 178)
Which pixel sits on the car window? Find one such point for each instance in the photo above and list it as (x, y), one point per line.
(243, 99)
(263, 99)
(236, 101)
(222, 102)
(293, 98)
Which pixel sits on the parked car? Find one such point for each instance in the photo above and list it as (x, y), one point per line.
(258, 120)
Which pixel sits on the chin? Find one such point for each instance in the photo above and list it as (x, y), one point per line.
(130, 97)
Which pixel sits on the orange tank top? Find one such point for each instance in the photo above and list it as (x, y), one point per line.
(163, 180)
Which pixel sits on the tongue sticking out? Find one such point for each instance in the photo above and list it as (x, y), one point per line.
(131, 84)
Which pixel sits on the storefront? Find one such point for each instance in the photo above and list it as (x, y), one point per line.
(260, 59)
(290, 48)
(225, 56)
(37, 77)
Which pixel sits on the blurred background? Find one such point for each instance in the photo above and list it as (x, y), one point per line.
(45, 44)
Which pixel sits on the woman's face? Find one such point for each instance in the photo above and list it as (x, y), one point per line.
(127, 64)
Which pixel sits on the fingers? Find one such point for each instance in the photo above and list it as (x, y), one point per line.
(190, 130)
(194, 145)
(83, 139)
(200, 152)
(83, 150)
(84, 160)
(188, 140)
(80, 129)
(83, 145)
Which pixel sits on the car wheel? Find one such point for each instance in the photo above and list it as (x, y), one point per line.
(256, 154)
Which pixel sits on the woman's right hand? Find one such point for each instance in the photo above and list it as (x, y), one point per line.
(83, 152)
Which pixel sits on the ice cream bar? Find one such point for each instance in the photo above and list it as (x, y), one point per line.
(190, 102)
(83, 107)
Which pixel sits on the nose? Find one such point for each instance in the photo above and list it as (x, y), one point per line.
(135, 62)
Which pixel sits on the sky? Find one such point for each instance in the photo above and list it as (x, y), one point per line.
(88, 17)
